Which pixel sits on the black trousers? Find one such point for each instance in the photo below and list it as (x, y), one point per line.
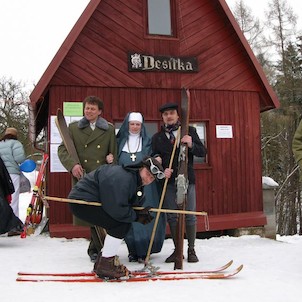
(97, 216)
(8, 220)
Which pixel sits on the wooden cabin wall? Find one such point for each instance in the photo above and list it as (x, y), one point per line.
(99, 55)
(231, 180)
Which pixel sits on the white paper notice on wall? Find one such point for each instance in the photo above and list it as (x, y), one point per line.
(224, 131)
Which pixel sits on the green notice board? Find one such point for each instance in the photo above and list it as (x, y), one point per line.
(73, 109)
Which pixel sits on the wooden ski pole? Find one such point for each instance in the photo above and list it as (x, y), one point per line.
(99, 204)
(161, 201)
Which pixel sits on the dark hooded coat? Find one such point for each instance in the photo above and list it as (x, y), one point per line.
(116, 188)
(8, 220)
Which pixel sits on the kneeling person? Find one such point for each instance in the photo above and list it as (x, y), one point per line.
(118, 188)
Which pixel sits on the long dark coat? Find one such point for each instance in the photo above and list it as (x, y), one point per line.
(162, 146)
(8, 220)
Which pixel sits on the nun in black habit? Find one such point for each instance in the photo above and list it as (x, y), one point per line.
(134, 144)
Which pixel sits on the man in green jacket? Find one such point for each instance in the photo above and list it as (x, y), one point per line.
(95, 142)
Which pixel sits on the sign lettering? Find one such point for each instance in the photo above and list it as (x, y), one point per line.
(143, 62)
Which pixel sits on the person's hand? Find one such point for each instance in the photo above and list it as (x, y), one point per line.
(144, 216)
(77, 171)
(109, 158)
(187, 139)
(168, 172)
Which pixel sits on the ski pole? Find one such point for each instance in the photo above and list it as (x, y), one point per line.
(161, 200)
(99, 204)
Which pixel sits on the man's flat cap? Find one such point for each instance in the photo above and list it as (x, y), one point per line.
(168, 106)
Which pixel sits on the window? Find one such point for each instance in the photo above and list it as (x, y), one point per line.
(159, 17)
(201, 131)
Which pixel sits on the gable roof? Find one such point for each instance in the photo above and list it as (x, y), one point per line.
(268, 97)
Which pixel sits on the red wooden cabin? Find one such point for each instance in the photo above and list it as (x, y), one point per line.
(198, 45)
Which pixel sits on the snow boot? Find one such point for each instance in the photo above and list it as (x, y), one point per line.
(192, 255)
(110, 268)
(191, 236)
(172, 257)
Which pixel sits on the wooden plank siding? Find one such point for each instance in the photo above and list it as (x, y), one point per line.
(231, 180)
(99, 56)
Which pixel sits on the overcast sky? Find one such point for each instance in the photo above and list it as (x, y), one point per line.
(31, 32)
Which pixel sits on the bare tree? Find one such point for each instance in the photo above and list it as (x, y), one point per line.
(287, 82)
(254, 31)
(250, 26)
(282, 22)
(14, 109)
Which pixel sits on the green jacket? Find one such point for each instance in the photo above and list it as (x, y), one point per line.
(297, 146)
(92, 146)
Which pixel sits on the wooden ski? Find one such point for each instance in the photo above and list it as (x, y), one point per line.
(160, 276)
(182, 179)
(68, 142)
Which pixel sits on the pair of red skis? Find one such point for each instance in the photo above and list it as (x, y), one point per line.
(137, 276)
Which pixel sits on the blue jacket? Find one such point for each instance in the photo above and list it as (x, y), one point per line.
(12, 154)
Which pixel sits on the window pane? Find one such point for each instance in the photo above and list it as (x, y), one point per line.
(159, 17)
(201, 131)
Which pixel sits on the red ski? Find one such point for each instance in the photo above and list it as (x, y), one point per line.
(140, 277)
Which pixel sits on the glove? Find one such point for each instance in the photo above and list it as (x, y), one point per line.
(144, 216)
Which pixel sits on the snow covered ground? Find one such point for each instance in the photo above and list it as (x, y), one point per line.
(272, 271)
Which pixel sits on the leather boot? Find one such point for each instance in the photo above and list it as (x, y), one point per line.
(191, 236)
(110, 268)
(97, 261)
(192, 255)
(172, 257)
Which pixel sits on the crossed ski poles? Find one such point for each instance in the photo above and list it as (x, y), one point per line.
(99, 204)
